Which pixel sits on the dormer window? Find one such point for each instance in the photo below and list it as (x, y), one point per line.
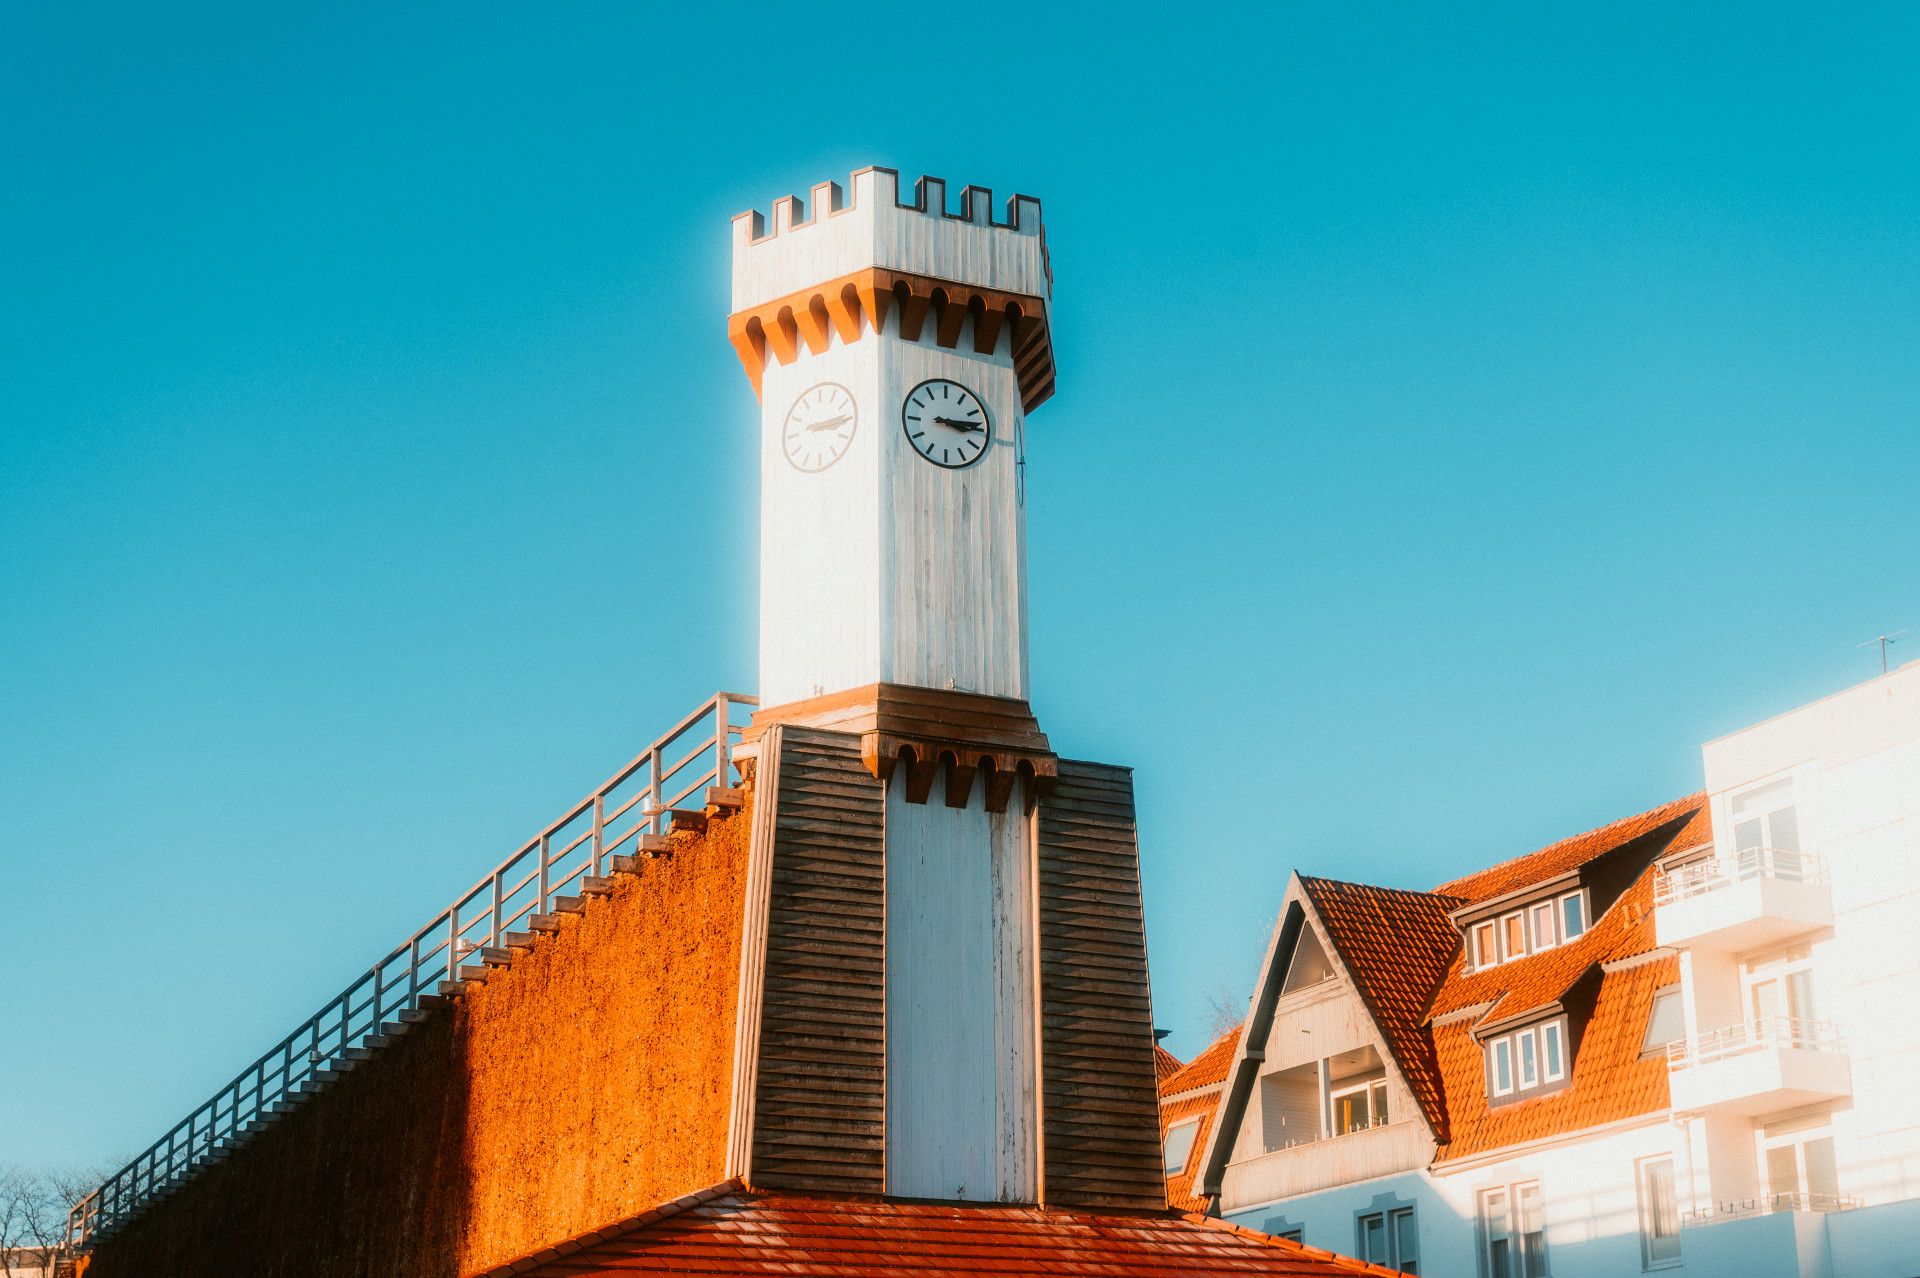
(1552, 921)
(1528, 1060)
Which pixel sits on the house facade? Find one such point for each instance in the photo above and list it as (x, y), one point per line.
(1662, 1044)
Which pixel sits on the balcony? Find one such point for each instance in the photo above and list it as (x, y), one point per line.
(1766, 1205)
(1759, 1067)
(1757, 897)
(1326, 1163)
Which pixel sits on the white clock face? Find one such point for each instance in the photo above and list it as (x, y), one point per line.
(819, 427)
(946, 423)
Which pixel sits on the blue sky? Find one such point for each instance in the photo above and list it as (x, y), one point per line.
(1462, 416)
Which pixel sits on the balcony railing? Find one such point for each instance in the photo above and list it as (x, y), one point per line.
(1700, 877)
(1753, 1036)
(1766, 1205)
(635, 802)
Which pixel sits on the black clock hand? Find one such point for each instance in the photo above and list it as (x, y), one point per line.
(971, 428)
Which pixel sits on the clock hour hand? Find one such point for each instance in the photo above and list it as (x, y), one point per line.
(971, 428)
(829, 424)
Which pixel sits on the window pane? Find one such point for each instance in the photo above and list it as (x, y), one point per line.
(1513, 936)
(1556, 1066)
(1532, 1231)
(1179, 1145)
(1350, 1112)
(1379, 1103)
(1800, 995)
(1542, 916)
(1573, 915)
(1373, 1238)
(1502, 1066)
(1783, 1170)
(1747, 835)
(1485, 952)
(1494, 1224)
(1662, 1212)
(1763, 798)
(1785, 834)
(1406, 1242)
(1666, 1024)
(1823, 1177)
(1529, 1064)
(1291, 1235)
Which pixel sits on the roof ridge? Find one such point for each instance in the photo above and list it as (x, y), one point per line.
(1671, 807)
(1380, 887)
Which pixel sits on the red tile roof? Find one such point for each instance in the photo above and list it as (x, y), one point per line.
(1403, 954)
(1165, 1064)
(1570, 854)
(1397, 946)
(731, 1229)
(1208, 1069)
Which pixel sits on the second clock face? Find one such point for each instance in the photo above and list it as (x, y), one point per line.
(819, 426)
(946, 423)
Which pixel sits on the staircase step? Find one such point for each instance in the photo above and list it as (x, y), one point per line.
(688, 818)
(476, 974)
(568, 904)
(420, 1014)
(626, 865)
(518, 940)
(544, 923)
(655, 845)
(496, 956)
(596, 885)
(726, 798)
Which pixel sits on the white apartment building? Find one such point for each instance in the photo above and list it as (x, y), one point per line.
(1682, 1041)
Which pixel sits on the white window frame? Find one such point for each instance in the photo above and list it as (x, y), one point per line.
(1766, 815)
(1522, 1047)
(1649, 1239)
(1556, 1032)
(1487, 955)
(1550, 937)
(1649, 1048)
(1560, 915)
(1395, 1257)
(1376, 1092)
(1508, 953)
(1514, 1235)
(1190, 1126)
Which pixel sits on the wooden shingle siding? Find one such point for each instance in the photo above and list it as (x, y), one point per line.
(1101, 1108)
(821, 1097)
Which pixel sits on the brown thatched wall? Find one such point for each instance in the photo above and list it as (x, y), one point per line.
(586, 1082)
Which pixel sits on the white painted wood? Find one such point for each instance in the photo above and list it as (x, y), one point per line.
(805, 245)
(961, 1069)
(751, 994)
(885, 567)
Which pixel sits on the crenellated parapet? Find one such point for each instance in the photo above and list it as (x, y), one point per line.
(859, 260)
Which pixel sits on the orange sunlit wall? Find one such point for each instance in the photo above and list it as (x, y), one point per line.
(586, 1082)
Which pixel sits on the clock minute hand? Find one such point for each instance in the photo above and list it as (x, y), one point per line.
(971, 428)
(829, 424)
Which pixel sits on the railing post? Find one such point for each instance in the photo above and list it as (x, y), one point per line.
(546, 878)
(498, 900)
(655, 816)
(599, 832)
(723, 740)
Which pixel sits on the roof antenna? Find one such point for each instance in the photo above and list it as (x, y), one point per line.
(1892, 636)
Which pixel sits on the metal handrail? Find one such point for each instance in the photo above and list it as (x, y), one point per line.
(1766, 1205)
(1752, 1036)
(1697, 878)
(637, 800)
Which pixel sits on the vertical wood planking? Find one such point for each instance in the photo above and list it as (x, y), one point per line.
(820, 1101)
(1101, 1126)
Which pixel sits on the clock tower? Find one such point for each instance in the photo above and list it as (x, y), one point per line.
(944, 977)
(897, 348)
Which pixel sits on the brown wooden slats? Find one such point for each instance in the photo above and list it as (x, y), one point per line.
(821, 1100)
(1102, 1124)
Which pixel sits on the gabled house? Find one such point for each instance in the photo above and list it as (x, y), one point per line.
(1416, 1068)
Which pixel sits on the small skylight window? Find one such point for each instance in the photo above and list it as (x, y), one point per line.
(1180, 1145)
